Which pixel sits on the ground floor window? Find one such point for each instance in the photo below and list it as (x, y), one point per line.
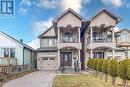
(9, 52)
(98, 54)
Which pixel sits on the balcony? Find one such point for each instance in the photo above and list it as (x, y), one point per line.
(8, 61)
(69, 39)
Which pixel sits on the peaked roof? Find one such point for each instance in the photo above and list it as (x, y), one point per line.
(21, 43)
(41, 35)
(114, 16)
(71, 11)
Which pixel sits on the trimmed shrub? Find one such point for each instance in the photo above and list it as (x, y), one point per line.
(122, 71)
(91, 63)
(112, 68)
(128, 72)
(105, 68)
(95, 63)
(88, 63)
(99, 67)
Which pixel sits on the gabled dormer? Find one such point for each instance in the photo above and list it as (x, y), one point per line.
(50, 32)
(48, 38)
(68, 17)
(105, 17)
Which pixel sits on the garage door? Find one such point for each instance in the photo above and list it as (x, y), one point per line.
(48, 63)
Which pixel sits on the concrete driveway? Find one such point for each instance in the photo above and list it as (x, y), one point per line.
(36, 79)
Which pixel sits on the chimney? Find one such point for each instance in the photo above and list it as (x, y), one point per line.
(21, 40)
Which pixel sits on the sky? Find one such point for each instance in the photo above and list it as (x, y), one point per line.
(33, 17)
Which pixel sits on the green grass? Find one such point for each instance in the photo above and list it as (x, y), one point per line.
(82, 81)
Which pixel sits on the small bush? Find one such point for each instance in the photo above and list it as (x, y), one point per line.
(122, 71)
(88, 63)
(128, 72)
(91, 63)
(105, 66)
(112, 68)
(99, 65)
(95, 63)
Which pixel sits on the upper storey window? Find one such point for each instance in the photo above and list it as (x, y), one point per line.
(68, 37)
(125, 36)
(48, 42)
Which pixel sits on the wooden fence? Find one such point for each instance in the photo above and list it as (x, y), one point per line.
(8, 61)
(12, 69)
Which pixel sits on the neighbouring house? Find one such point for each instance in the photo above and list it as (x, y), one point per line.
(123, 40)
(72, 40)
(14, 51)
(101, 40)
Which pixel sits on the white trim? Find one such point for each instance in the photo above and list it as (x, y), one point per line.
(11, 39)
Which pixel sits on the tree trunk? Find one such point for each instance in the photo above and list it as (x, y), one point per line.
(101, 75)
(124, 83)
(96, 74)
(113, 81)
(106, 77)
(127, 83)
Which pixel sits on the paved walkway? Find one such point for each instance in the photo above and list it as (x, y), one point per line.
(36, 79)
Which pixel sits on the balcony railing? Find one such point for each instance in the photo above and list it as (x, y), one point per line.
(8, 61)
(69, 40)
(101, 41)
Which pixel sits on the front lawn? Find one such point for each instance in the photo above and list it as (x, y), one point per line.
(82, 80)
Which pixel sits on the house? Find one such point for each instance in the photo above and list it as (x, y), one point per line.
(72, 40)
(60, 45)
(123, 40)
(14, 51)
(101, 40)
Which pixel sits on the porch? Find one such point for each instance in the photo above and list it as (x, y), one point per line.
(69, 58)
(102, 52)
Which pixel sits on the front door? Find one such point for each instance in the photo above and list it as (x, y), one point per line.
(66, 59)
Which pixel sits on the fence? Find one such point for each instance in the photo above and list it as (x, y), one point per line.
(13, 69)
(7, 61)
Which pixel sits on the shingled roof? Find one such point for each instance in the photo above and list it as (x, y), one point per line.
(114, 16)
(19, 42)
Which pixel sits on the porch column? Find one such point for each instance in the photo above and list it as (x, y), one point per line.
(91, 53)
(79, 60)
(113, 53)
(58, 35)
(58, 58)
(113, 36)
(79, 34)
(91, 35)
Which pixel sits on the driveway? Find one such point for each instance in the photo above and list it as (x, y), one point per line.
(36, 79)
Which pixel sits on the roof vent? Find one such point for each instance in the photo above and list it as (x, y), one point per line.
(21, 40)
